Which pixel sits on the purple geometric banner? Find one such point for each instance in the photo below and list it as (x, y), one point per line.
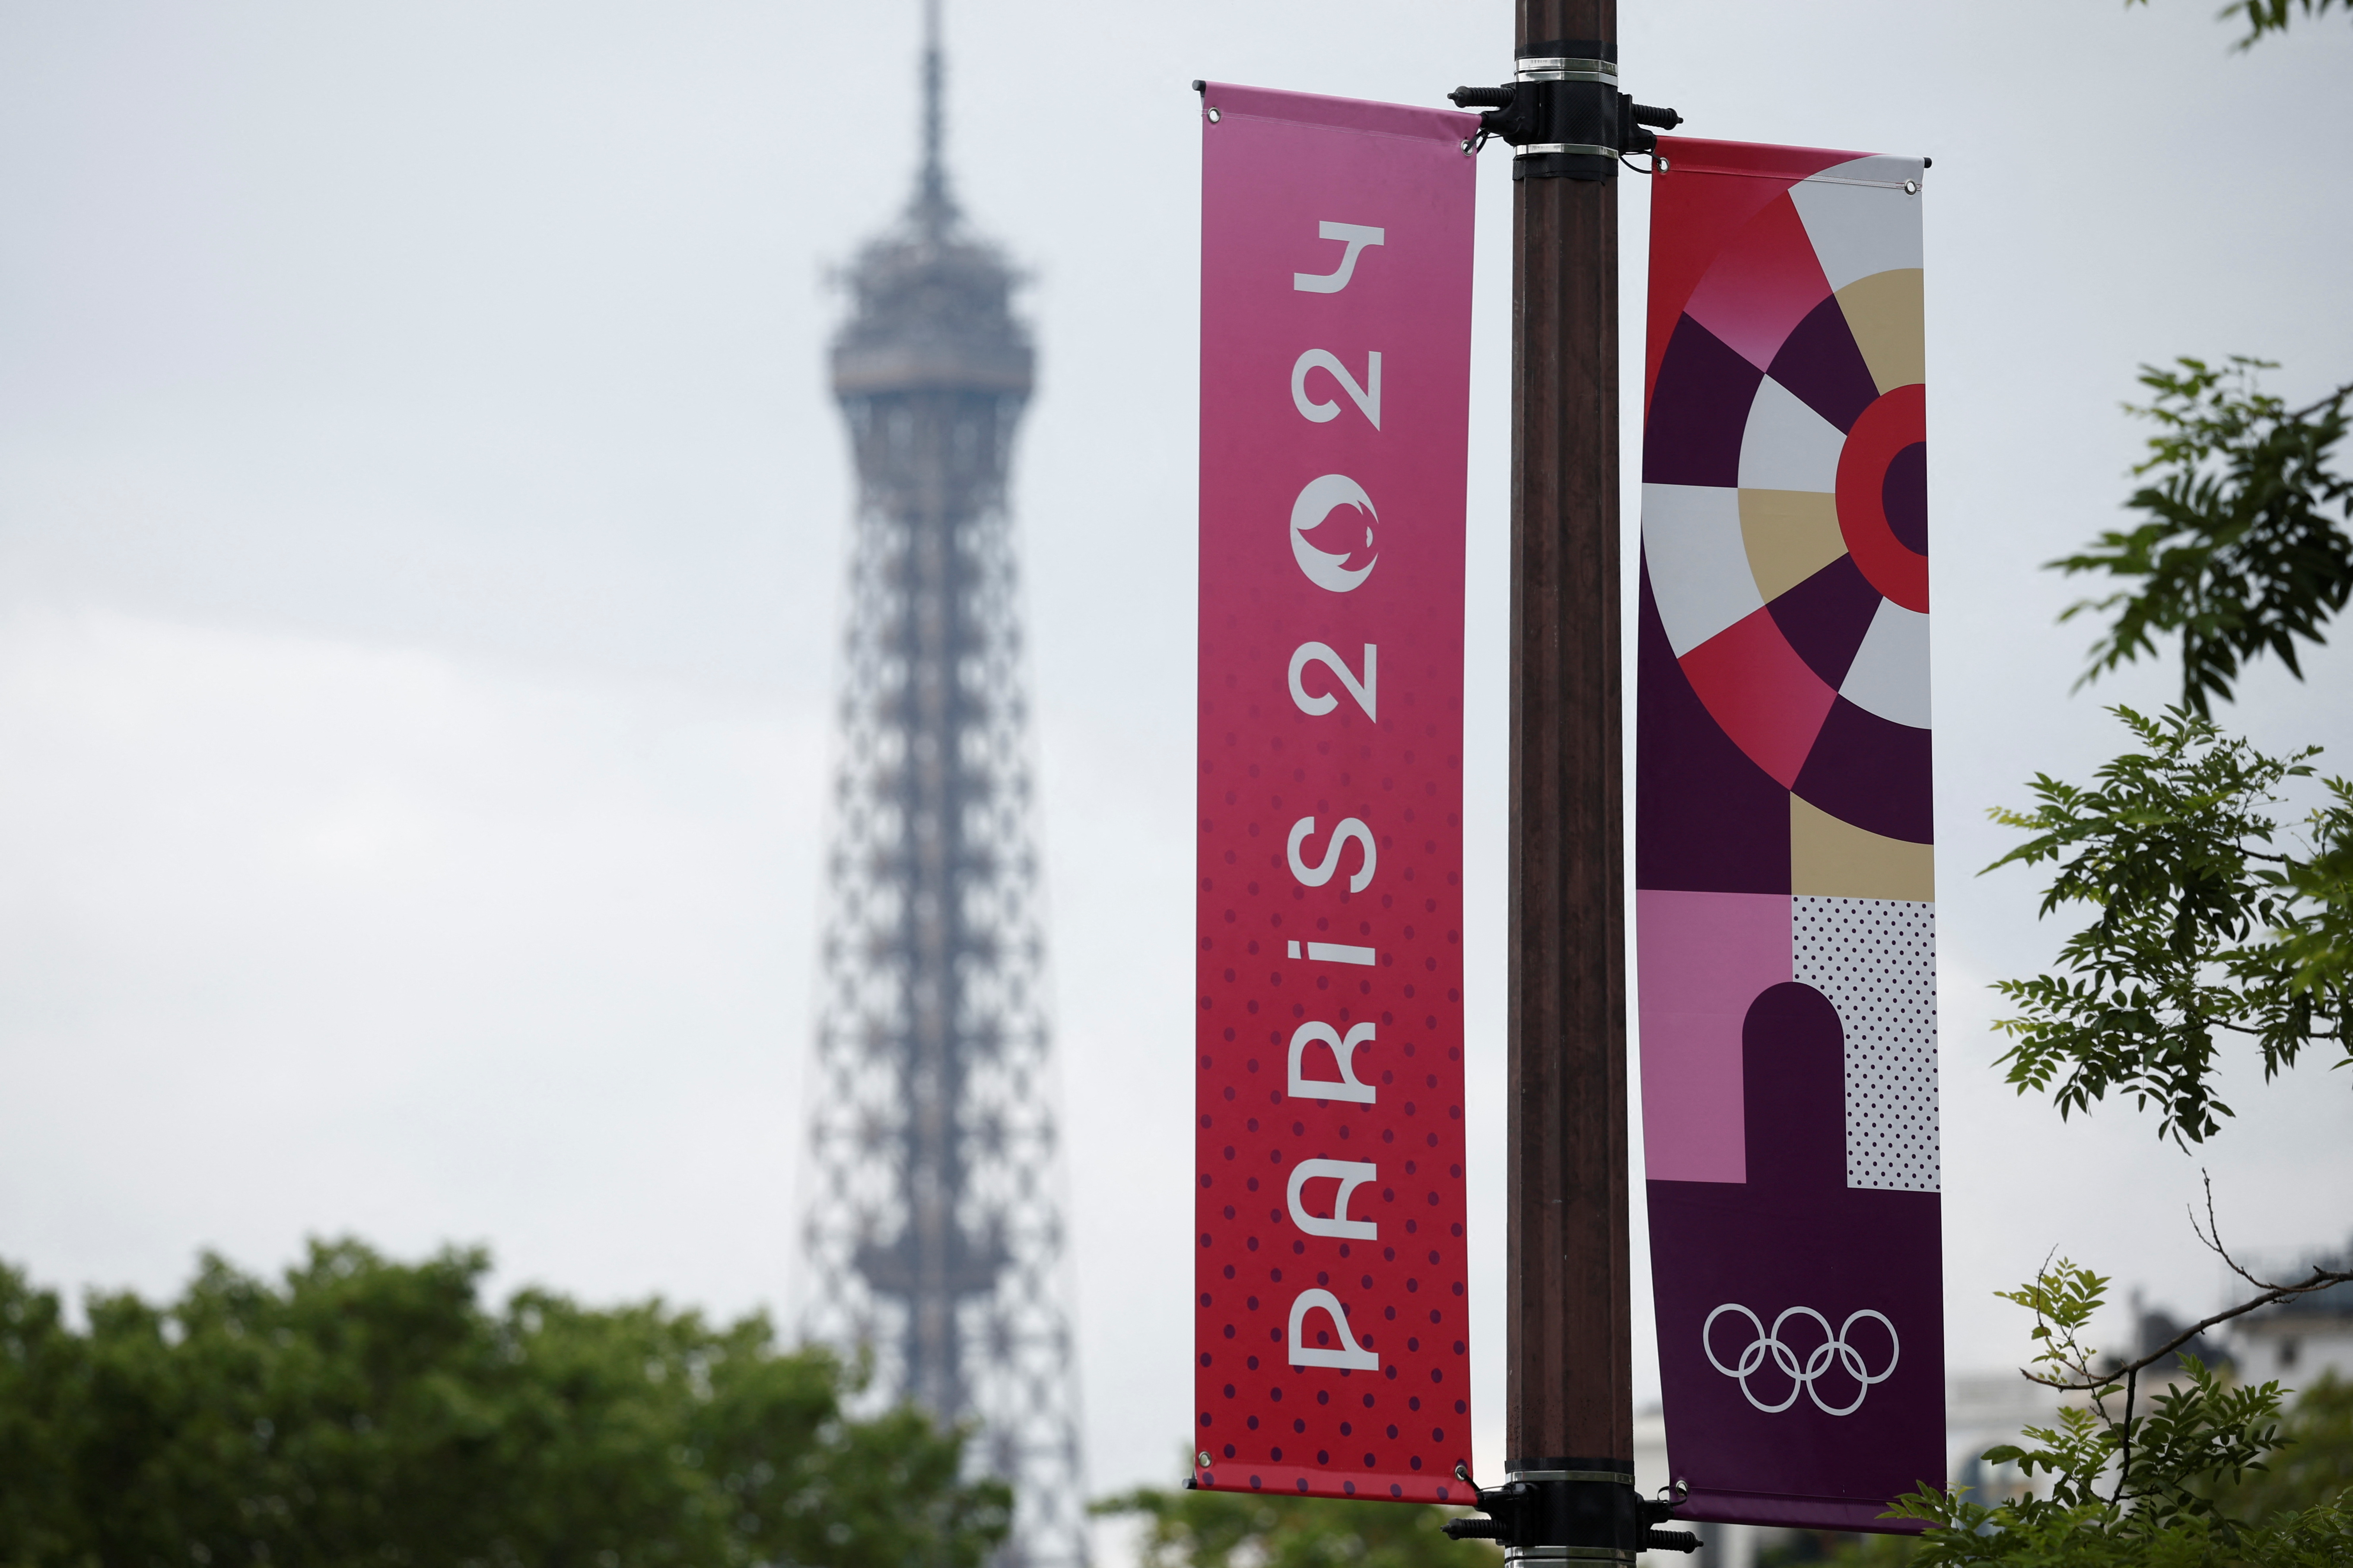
(1784, 869)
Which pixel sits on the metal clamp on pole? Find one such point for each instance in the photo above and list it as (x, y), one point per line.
(1568, 1510)
(1564, 114)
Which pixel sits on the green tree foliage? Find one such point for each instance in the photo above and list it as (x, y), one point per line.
(2206, 928)
(2314, 1463)
(2206, 924)
(2244, 549)
(2182, 1479)
(1264, 1530)
(368, 1411)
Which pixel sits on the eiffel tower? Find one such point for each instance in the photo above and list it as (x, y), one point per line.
(933, 1227)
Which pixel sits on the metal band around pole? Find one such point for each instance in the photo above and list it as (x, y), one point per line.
(1620, 1477)
(1537, 68)
(1566, 1554)
(1536, 149)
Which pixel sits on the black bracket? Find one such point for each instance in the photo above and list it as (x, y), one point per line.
(1563, 112)
(1586, 1504)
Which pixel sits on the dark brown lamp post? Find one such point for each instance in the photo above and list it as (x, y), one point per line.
(1568, 1491)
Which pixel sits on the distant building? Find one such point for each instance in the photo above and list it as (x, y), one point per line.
(1984, 1410)
(2154, 1326)
(2305, 1338)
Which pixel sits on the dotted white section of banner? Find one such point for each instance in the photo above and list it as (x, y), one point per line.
(1875, 959)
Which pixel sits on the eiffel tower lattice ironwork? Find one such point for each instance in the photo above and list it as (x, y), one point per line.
(933, 1228)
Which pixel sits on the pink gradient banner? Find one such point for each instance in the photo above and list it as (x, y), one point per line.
(1332, 1325)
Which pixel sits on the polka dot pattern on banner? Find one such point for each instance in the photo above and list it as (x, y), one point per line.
(1875, 959)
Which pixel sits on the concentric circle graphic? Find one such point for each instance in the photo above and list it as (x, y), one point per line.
(1785, 507)
(1894, 426)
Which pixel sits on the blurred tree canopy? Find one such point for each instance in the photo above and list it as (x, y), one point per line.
(370, 1411)
(2312, 1466)
(1270, 1530)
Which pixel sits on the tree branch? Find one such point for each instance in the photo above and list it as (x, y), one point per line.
(2124, 1466)
(2321, 1279)
(2212, 1235)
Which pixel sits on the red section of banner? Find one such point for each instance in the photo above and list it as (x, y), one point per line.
(1686, 236)
(1332, 1328)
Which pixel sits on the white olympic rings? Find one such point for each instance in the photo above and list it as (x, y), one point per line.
(1802, 1376)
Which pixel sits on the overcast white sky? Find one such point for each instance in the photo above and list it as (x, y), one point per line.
(421, 522)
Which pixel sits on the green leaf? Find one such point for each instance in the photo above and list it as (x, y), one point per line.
(2209, 924)
(2245, 549)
